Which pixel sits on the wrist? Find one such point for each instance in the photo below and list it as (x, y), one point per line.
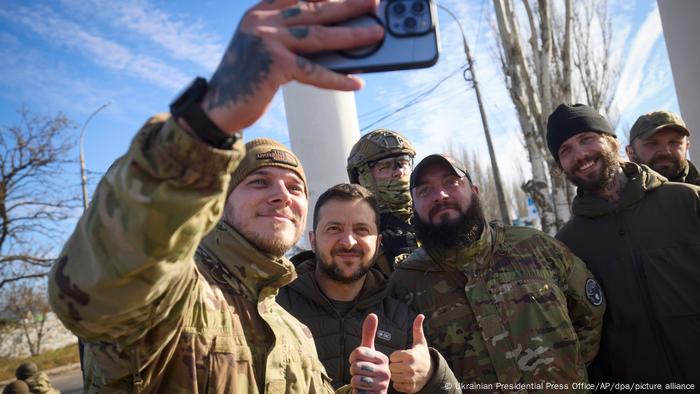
(189, 112)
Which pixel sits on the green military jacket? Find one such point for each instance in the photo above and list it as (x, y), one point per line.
(515, 307)
(152, 319)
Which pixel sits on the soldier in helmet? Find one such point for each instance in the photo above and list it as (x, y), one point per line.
(37, 381)
(381, 161)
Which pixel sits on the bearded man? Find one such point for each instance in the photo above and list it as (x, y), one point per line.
(338, 286)
(504, 305)
(661, 140)
(640, 236)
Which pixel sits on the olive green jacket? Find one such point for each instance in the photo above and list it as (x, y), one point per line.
(645, 250)
(152, 319)
(514, 307)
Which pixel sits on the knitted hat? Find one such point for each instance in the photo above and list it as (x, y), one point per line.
(568, 120)
(266, 152)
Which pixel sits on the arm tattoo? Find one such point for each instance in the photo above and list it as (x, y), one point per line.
(291, 12)
(299, 32)
(245, 65)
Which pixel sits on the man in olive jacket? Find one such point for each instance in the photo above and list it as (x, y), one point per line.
(338, 286)
(640, 236)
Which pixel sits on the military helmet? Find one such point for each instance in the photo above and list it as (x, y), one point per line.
(376, 145)
(26, 370)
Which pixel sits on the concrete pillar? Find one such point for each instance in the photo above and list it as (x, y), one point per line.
(323, 127)
(679, 19)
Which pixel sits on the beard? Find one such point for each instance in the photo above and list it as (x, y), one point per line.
(333, 270)
(669, 170)
(276, 245)
(461, 231)
(609, 167)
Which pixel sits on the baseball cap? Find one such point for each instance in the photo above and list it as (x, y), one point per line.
(650, 123)
(455, 165)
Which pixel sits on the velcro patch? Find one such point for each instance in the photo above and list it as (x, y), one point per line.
(278, 156)
(381, 334)
(594, 293)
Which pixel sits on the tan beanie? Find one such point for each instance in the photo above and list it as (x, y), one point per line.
(266, 152)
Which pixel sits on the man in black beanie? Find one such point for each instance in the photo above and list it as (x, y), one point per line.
(640, 236)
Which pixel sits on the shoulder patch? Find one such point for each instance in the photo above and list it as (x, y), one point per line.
(594, 293)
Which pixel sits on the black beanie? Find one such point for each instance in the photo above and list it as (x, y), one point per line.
(568, 120)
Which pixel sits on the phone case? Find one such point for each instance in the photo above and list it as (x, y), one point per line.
(396, 51)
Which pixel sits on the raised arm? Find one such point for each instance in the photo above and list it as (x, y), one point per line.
(128, 265)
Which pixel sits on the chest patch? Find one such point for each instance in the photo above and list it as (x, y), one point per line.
(594, 294)
(381, 334)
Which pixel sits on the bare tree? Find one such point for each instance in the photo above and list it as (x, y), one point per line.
(482, 176)
(31, 308)
(34, 200)
(539, 75)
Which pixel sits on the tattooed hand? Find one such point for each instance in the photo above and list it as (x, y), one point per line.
(369, 368)
(265, 53)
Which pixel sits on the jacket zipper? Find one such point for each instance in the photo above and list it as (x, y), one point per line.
(644, 291)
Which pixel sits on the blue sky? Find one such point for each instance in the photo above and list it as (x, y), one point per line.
(74, 55)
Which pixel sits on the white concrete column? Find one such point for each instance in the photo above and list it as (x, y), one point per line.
(679, 19)
(323, 127)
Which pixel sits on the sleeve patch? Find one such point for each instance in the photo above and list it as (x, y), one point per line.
(594, 293)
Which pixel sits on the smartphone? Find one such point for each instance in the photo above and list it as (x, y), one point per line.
(410, 40)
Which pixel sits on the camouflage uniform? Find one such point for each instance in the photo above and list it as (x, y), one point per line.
(393, 196)
(37, 382)
(40, 384)
(152, 319)
(514, 307)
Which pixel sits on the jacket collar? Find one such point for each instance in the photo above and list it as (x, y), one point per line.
(640, 180)
(373, 290)
(469, 258)
(248, 264)
(689, 174)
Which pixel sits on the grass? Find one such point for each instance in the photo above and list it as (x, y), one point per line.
(52, 359)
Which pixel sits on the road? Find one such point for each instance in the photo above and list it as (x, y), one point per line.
(69, 382)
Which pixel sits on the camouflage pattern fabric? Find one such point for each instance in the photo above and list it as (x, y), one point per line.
(152, 319)
(392, 194)
(514, 307)
(40, 384)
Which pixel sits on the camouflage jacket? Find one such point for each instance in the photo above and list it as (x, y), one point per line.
(514, 307)
(152, 319)
(40, 384)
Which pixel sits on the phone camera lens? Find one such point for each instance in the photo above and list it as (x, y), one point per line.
(410, 23)
(399, 8)
(418, 7)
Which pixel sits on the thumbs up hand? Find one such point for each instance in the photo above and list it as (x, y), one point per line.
(411, 369)
(368, 367)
